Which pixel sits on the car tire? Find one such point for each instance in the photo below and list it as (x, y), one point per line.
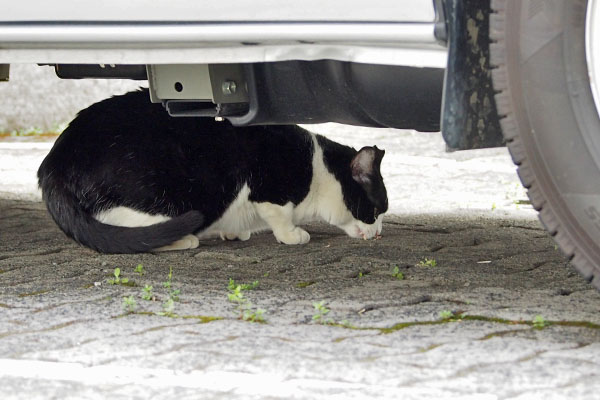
(550, 120)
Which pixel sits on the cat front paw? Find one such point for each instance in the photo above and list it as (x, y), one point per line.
(295, 236)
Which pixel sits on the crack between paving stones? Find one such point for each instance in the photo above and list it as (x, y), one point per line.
(53, 306)
(471, 318)
(521, 254)
(474, 368)
(42, 253)
(503, 333)
(161, 327)
(529, 228)
(538, 265)
(18, 215)
(76, 345)
(442, 231)
(372, 307)
(476, 242)
(419, 300)
(182, 346)
(468, 370)
(535, 266)
(49, 329)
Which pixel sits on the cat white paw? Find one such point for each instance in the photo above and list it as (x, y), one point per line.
(186, 242)
(295, 236)
(243, 236)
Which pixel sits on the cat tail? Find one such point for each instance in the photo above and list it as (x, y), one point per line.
(104, 238)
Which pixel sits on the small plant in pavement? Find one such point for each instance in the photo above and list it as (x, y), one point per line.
(140, 270)
(118, 280)
(244, 306)
(446, 314)
(397, 274)
(320, 311)
(168, 307)
(167, 283)
(147, 293)
(254, 315)
(129, 304)
(452, 316)
(427, 262)
(174, 294)
(539, 322)
(244, 286)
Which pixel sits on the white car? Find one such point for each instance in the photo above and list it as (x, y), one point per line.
(529, 69)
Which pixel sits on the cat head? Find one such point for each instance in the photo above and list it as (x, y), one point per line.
(366, 198)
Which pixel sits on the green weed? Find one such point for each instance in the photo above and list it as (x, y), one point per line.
(167, 283)
(254, 315)
(244, 307)
(118, 280)
(303, 285)
(147, 293)
(397, 274)
(427, 262)
(168, 307)
(129, 304)
(320, 311)
(539, 322)
(140, 270)
(446, 314)
(244, 286)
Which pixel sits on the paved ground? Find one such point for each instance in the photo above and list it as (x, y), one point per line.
(460, 329)
(64, 330)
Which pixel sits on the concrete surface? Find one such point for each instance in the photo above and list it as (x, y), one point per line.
(65, 333)
(460, 329)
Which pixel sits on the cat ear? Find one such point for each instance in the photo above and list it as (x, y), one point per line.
(365, 164)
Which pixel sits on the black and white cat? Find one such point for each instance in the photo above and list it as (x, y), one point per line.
(125, 177)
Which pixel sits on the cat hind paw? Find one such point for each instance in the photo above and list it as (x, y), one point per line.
(242, 236)
(185, 243)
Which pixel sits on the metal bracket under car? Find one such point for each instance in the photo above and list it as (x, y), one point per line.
(294, 92)
(306, 92)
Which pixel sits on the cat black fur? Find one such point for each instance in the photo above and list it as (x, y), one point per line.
(127, 151)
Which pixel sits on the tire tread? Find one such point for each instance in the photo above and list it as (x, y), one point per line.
(510, 130)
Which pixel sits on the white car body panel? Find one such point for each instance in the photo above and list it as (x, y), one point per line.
(224, 10)
(394, 32)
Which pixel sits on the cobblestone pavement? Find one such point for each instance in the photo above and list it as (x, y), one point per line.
(500, 315)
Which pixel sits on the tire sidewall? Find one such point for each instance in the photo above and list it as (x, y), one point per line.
(558, 124)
